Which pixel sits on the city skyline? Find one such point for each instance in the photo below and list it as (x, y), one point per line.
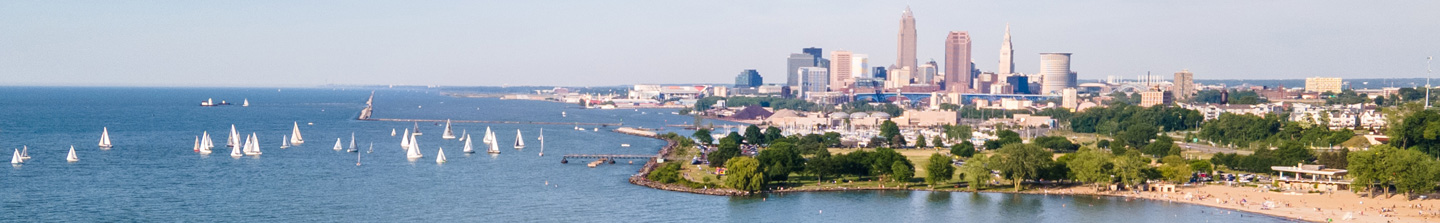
(436, 43)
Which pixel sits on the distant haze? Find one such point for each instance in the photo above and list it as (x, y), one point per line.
(588, 43)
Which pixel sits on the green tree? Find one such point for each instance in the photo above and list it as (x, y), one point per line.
(964, 149)
(975, 171)
(1021, 162)
(822, 165)
(1408, 171)
(1418, 130)
(779, 160)
(832, 139)
(889, 129)
(920, 141)
(1055, 143)
(703, 135)
(1129, 168)
(726, 150)
(937, 142)
(957, 132)
(876, 142)
(1175, 169)
(753, 135)
(1203, 166)
(938, 170)
(1162, 146)
(902, 171)
(1091, 166)
(743, 173)
(772, 133)
(898, 141)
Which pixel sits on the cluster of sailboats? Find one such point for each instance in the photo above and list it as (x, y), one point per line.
(249, 145)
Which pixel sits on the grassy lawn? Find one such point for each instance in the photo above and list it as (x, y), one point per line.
(919, 157)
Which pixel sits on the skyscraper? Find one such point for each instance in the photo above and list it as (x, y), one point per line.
(1184, 84)
(748, 78)
(860, 66)
(1007, 57)
(793, 65)
(905, 57)
(1055, 69)
(840, 75)
(957, 62)
(814, 79)
(814, 51)
(926, 73)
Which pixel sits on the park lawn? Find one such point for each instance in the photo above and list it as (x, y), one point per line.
(919, 157)
(809, 182)
(698, 173)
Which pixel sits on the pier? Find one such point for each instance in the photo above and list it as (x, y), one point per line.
(493, 122)
(604, 158)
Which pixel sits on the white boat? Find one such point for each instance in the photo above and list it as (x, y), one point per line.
(414, 151)
(392, 132)
(468, 147)
(206, 143)
(25, 153)
(71, 157)
(234, 138)
(337, 145)
(295, 138)
(15, 159)
(196, 147)
(417, 129)
(542, 142)
(487, 138)
(624, 145)
(448, 133)
(440, 156)
(405, 140)
(284, 142)
(352, 149)
(254, 149)
(246, 104)
(105, 138)
(562, 114)
(494, 146)
(372, 148)
(519, 141)
(597, 129)
(235, 150)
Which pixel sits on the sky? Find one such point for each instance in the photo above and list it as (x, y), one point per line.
(598, 43)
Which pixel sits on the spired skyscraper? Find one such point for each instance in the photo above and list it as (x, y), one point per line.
(1007, 57)
(906, 52)
(957, 62)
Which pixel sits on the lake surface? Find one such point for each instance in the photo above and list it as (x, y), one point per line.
(152, 174)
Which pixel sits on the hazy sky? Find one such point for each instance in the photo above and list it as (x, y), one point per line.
(305, 43)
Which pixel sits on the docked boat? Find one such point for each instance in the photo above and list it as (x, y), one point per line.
(295, 138)
(468, 147)
(337, 145)
(440, 156)
(105, 138)
(71, 157)
(519, 140)
(448, 134)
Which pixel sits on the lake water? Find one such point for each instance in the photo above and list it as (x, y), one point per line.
(152, 174)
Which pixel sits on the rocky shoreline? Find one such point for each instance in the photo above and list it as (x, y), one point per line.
(640, 179)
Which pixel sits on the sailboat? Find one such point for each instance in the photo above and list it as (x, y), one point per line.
(357, 159)
(562, 114)
(235, 150)
(71, 157)
(417, 129)
(487, 138)
(206, 143)
(519, 141)
(494, 145)
(464, 134)
(542, 142)
(352, 144)
(284, 142)
(25, 153)
(392, 132)
(15, 159)
(405, 140)
(295, 138)
(372, 148)
(246, 104)
(196, 147)
(440, 156)
(468, 148)
(254, 149)
(337, 145)
(105, 138)
(234, 138)
(448, 133)
(414, 151)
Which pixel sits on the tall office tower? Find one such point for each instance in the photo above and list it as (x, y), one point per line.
(1020, 84)
(748, 78)
(1068, 99)
(905, 57)
(1184, 84)
(860, 66)
(1055, 69)
(793, 65)
(814, 79)
(926, 73)
(814, 51)
(840, 76)
(1007, 57)
(957, 62)
(1072, 80)
(879, 73)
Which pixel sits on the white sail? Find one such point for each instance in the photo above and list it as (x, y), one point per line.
(494, 147)
(464, 134)
(284, 142)
(25, 153)
(235, 150)
(105, 138)
(71, 157)
(234, 140)
(468, 148)
(295, 135)
(414, 151)
(254, 148)
(196, 147)
(449, 134)
(417, 129)
(205, 143)
(246, 104)
(440, 156)
(352, 142)
(405, 140)
(542, 142)
(15, 159)
(392, 132)
(519, 141)
(487, 138)
(337, 145)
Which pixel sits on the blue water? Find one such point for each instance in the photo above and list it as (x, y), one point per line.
(152, 174)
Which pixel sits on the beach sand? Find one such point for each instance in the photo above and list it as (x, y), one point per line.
(1342, 206)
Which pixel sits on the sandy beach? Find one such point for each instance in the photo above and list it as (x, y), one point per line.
(1343, 206)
